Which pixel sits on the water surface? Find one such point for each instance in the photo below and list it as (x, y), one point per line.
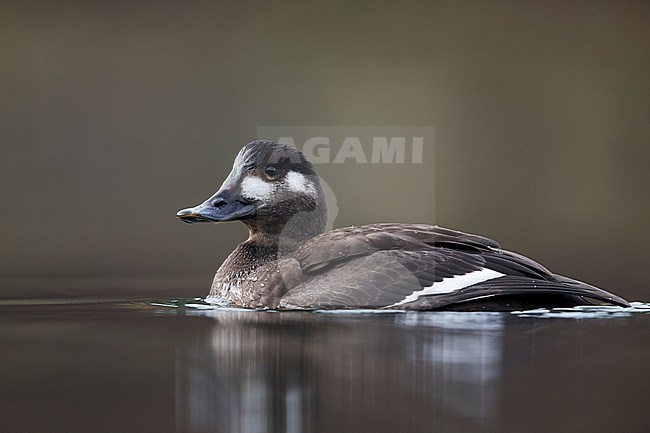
(181, 366)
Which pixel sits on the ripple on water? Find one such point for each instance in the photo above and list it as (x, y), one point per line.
(586, 311)
(579, 312)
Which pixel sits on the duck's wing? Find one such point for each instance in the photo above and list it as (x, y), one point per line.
(418, 267)
(341, 245)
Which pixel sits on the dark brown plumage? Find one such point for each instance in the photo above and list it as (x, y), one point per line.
(288, 263)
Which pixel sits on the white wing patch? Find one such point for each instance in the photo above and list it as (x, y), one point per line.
(299, 183)
(452, 284)
(256, 188)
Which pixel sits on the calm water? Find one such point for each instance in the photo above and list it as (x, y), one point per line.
(182, 367)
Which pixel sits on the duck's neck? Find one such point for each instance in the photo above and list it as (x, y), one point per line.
(290, 222)
(266, 243)
(285, 236)
(272, 236)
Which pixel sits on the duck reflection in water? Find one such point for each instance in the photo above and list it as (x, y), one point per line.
(307, 372)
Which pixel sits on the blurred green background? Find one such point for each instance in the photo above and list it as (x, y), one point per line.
(117, 114)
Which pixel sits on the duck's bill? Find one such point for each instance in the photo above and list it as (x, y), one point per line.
(206, 212)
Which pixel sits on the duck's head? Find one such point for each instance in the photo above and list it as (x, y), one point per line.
(271, 186)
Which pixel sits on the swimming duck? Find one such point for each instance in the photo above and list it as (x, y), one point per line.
(290, 262)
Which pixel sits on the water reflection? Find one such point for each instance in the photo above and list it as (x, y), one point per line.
(304, 372)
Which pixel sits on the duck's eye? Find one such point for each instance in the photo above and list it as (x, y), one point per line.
(271, 171)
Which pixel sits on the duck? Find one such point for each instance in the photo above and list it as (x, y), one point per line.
(289, 261)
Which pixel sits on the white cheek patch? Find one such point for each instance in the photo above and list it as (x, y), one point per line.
(256, 189)
(452, 284)
(298, 182)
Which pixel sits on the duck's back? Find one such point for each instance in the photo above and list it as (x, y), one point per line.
(421, 267)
